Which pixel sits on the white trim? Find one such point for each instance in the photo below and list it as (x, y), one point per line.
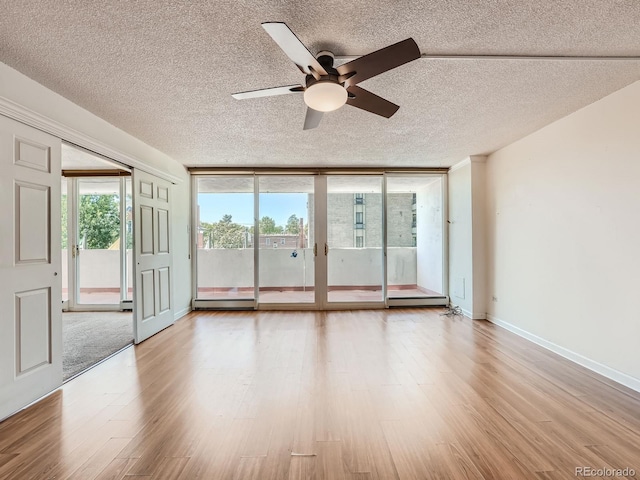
(385, 292)
(181, 313)
(27, 116)
(444, 179)
(478, 158)
(605, 371)
(473, 316)
(463, 163)
(193, 239)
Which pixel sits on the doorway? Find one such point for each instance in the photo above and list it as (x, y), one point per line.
(96, 240)
(314, 240)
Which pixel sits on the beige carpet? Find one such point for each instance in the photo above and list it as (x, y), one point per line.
(89, 337)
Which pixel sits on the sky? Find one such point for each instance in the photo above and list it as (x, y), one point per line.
(279, 206)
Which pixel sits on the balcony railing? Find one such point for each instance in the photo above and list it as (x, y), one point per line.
(346, 266)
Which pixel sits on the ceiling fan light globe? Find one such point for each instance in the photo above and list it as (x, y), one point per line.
(325, 96)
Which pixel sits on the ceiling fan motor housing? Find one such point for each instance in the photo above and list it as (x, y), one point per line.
(325, 59)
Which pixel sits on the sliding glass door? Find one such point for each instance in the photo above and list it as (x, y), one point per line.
(97, 242)
(355, 261)
(225, 240)
(254, 240)
(286, 239)
(319, 240)
(415, 239)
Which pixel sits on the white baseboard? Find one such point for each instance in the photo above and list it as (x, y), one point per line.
(473, 316)
(605, 371)
(181, 313)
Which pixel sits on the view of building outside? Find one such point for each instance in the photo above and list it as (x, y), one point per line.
(350, 226)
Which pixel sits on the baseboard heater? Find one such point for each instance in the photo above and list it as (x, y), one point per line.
(399, 302)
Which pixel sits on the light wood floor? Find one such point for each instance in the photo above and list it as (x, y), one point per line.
(393, 394)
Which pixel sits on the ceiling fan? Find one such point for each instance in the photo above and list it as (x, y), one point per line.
(327, 88)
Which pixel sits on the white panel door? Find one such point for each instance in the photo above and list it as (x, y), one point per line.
(30, 265)
(153, 261)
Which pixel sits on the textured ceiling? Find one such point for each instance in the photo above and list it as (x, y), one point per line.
(164, 71)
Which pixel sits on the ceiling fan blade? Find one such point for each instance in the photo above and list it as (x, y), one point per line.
(370, 102)
(268, 92)
(293, 47)
(379, 61)
(312, 119)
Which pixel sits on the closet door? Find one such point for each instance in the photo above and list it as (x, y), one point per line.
(153, 259)
(30, 265)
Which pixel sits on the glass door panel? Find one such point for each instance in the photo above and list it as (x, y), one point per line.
(354, 239)
(414, 236)
(225, 238)
(286, 239)
(98, 241)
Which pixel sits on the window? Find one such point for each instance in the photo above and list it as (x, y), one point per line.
(282, 242)
(359, 217)
(358, 198)
(267, 241)
(359, 242)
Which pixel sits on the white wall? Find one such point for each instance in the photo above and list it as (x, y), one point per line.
(563, 235)
(21, 96)
(460, 239)
(467, 259)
